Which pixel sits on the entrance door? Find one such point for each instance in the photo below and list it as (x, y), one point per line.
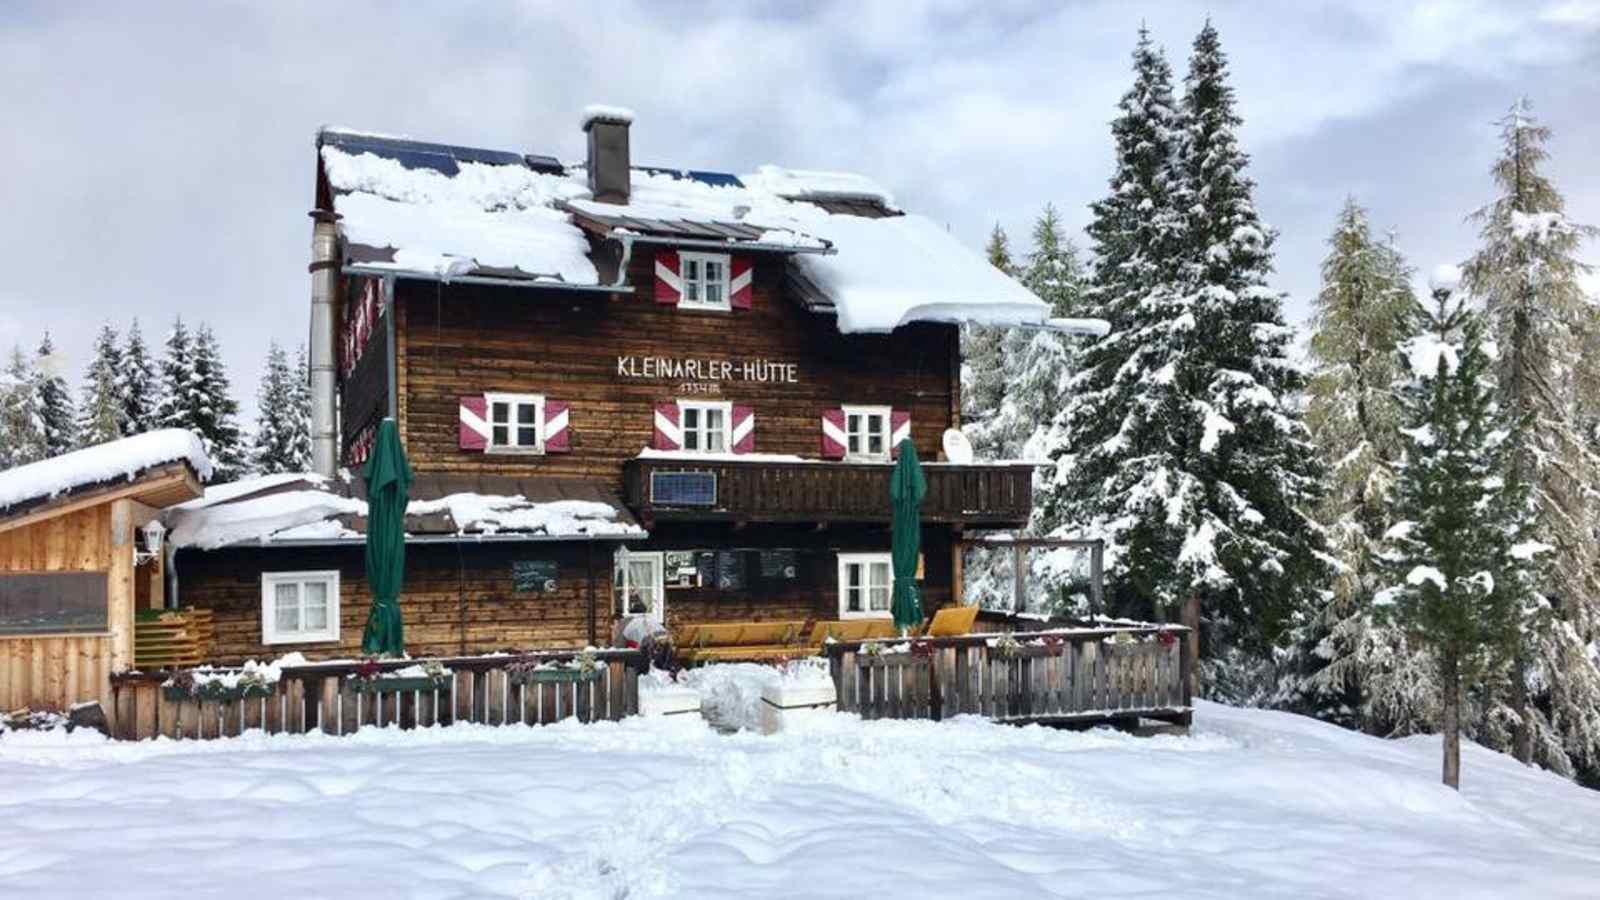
(640, 585)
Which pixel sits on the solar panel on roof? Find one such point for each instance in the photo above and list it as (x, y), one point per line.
(715, 179)
(443, 158)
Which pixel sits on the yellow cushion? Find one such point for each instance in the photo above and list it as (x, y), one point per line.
(952, 621)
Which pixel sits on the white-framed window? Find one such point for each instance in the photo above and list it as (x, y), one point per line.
(705, 280)
(705, 425)
(865, 580)
(640, 584)
(299, 607)
(866, 433)
(516, 423)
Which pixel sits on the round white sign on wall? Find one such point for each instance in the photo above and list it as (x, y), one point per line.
(957, 448)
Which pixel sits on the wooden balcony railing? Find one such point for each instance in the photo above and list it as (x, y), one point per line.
(982, 495)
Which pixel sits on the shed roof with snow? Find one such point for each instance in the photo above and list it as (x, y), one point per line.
(157, 468)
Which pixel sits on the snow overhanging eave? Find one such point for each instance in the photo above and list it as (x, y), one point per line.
(711, 244)
(1004, 314)
(551, 284)
(467, 538)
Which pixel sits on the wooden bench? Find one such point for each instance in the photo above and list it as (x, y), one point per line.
(711, 641)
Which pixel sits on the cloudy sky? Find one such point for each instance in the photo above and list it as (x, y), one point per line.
(157, 158)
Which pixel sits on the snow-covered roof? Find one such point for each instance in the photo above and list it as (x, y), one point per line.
(301, 508)
(120, 460)
(441, 211)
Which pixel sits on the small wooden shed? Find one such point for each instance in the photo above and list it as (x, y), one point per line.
(73, 564)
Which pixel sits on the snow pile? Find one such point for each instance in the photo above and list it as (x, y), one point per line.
(490, 513)
(606, 113)
(730, 693)
(802, 184)
(221, 518)
(1255, 804)
(901, 269)
(259, 518)
(120, 460)
(697, 456)
(1424, 353)
(501, 217)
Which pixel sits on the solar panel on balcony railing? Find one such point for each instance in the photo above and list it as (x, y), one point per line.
(683, 488)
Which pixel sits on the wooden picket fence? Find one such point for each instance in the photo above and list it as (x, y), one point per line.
(329, 697)
(1068, 676)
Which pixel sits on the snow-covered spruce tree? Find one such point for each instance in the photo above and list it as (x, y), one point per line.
(300, 396)
(1526, 276)
(21, 425)
(138, 386)
(58, 417)
(1348, 667)
(277, 445)
(1458, 560)
(1054, 273)
(1114, 472)
(100, 410)
(219, 431)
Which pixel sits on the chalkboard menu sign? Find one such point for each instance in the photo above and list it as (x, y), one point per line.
(780, 565)
(730, 570)
(533, 576)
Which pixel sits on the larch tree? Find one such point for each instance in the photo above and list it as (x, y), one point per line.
(100, 407)
(138, 385)
(1526, 275)
(58, 416)
(1459, 560)
(1352, 668)
(278, 445)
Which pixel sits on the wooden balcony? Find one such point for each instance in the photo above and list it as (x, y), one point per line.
(989, 496)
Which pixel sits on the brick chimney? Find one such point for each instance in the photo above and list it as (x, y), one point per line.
(607, 129)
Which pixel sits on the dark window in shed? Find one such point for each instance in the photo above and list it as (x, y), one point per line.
(46, 602)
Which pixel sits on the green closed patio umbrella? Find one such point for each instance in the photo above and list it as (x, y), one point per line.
(388, 487)
(906, 489)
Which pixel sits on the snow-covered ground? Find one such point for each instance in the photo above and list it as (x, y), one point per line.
(1253, 804)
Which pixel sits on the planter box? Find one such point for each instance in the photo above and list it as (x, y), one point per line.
(555, 676)
(384, 685)
(219, 693)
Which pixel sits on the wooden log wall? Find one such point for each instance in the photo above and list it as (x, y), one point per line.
(326, 699)
(457, 599)
(58, 670)
(1073, 678)
(467, 339)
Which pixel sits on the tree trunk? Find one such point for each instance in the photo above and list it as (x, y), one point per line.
(1522, 736)
(1451, 720)
(1190, 618)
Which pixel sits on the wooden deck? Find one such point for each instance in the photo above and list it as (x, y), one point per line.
(1077, 676)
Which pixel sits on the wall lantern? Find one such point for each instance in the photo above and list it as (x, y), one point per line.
(153, 533)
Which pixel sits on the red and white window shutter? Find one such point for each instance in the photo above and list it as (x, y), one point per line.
(668, 434)
(669, 284)
(741, 275)
(899, 429)
(472, 431)
(557, 434)
(833, 437)
(743, 433)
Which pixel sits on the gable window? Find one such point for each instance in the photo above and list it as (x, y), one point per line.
(639, 580)
(516, 423)
(866, 432)
(705, 280)
(705, 425)
(299, 607)
(864, 585)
